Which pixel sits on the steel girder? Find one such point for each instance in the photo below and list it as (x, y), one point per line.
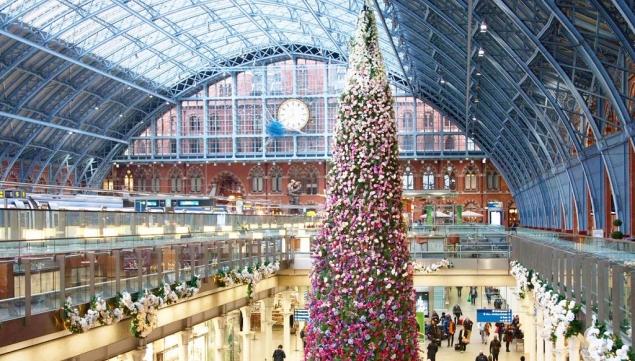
(555, 105)
(533, 120)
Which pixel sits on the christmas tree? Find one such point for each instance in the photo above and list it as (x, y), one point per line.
(362, 300)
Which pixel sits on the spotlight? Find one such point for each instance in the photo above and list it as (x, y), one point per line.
(481, 52)
(483, 27)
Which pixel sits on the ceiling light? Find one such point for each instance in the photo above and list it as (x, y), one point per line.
(96, 108)
(474, 118)
(442, 81)
(70, 132)
(478, 73)
(120, 115)
(483, 27)
(481, 52)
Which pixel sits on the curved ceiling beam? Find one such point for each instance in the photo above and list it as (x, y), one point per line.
(592, 60)
(82, 64)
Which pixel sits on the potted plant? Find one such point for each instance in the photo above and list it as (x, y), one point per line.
(617, 234)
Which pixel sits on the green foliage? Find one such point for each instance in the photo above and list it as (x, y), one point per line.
(575, 327)
(617, 222)
(617, 235)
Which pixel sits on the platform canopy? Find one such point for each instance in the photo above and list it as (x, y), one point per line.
(547, 90)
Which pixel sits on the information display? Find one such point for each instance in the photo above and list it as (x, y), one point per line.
(493, 316)
(301, 314)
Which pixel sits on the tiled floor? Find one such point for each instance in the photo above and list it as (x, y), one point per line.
(444, 354)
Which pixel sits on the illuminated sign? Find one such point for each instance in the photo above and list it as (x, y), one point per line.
(487, 315)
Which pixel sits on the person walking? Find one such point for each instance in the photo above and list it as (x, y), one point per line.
(303, 336)
(481, 331)
(481, 357)
(509, 337)
(458, 291)
(495, 348)
(500, 330)
(279, 355)
(451, 331)
(456, 310)
(432, 350)
(473, 295)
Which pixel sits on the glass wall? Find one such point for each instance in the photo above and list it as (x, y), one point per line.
(230, 117)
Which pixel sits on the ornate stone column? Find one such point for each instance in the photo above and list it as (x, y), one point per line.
(218, 323)
(540, 340)
(548, 349)
(286, 325)
(138, 354)
(574, 348)
(560, 350)
(266, 324)
(246, 343)
(186, 335)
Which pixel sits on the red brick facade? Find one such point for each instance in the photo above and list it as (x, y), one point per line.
(238, 179)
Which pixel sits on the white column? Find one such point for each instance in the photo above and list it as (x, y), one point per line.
(548, 349)
(574, 348)
(540, 340)
(286, 325)
(531, 343)
(528, 325)
(219, 337)
(246, 313)
(266, 324)
(138, 354)
(301, 324)
(560, 350)
(186, 335)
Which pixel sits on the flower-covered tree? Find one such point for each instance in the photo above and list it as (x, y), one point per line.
(362, 302)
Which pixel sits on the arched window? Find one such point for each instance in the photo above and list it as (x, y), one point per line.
(470, 179)
(449, 142)
(493, 180)
(449, 179)
(196, 181)
(407, 121)
(428, 179)
(128, 181)
(108, 184)
(156, 182)
(408, 179)
(275, 174)
(257, 176)
(176, 180)
(141, 183)
(311, 181)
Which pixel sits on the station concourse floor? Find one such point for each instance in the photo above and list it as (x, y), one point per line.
(445, 353)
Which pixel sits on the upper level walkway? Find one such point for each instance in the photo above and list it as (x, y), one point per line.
(36, 275)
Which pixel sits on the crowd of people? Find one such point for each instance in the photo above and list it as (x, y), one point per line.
(445, 327)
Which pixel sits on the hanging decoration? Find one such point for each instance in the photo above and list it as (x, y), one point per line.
(419, 267)
(248, 275)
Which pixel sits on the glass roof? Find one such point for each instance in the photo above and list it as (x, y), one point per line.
(166, 41)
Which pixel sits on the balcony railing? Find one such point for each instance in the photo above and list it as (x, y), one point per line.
(41, 284)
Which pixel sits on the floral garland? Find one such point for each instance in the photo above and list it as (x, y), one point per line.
(604, 346)
(421, 268)
(248, 275)
(522, 276)
(143, 310)
(559, 313)
(98, 313)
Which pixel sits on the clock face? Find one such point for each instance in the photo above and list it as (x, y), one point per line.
(293, 114)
